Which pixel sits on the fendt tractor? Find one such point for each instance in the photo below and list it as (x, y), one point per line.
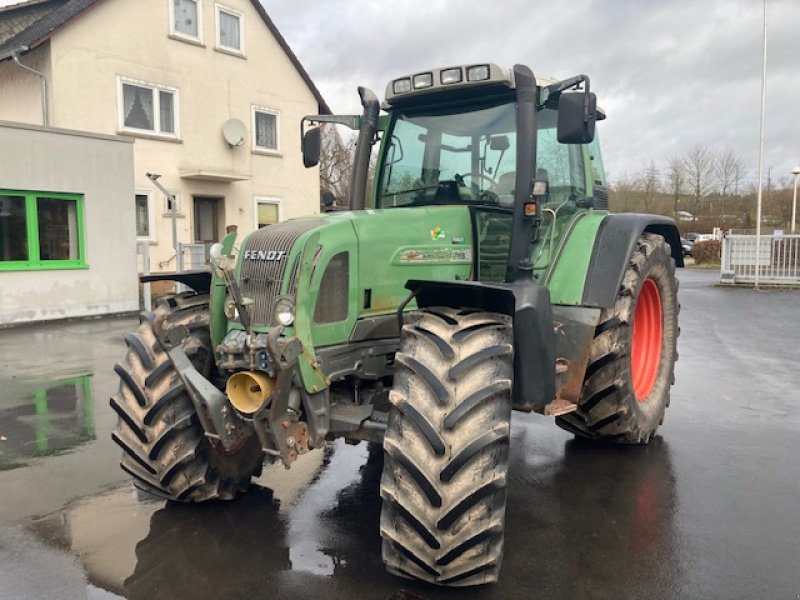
(484, 274)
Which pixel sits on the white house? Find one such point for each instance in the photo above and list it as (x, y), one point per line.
(209, 91)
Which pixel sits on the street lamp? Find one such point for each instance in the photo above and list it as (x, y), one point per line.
(795, 172)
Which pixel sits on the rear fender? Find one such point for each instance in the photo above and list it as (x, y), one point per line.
(613, 247)
(529, 306)
(199, 281)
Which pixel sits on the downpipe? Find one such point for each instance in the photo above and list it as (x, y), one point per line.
(15, 58)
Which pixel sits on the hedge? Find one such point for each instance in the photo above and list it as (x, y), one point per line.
(708, 252)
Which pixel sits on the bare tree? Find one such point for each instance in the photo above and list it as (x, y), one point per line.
(335, 163)
(621, 192)
(698, 164)
(676, 182)
(648, 181)
(727, 173)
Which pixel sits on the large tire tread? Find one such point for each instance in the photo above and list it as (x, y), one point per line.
(607, 408)
(164, 448)
(446, 448)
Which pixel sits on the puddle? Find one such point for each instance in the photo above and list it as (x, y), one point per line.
(130, 545)
(45, 419)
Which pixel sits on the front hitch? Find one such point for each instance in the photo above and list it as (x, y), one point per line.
(277, 424)
(219, 422)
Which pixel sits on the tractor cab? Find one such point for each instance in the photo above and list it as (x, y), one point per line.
(453, 136)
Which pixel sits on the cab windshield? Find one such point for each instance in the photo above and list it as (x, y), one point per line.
(469, 157)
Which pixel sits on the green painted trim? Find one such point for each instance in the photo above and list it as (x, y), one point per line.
(568, 276)
(55, 265)
(313, 378)
(588, 174)
(385, 123)
(34, 262)
(80, 207)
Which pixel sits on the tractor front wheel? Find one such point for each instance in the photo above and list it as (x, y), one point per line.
(631, 367)
(164, 447)
(446, 448)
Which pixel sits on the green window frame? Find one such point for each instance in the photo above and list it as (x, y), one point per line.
(35, 261)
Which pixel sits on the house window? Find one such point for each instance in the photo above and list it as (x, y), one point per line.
(230, 29)
(268, 211)
(266, 129)
(41, 231)
(145, 216)
(148, 108)
(186, 19)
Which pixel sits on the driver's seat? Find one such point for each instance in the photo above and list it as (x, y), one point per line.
(505, 183)
(505, 188)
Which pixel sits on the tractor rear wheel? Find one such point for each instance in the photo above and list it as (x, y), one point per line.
(446, 447)
(632, 362)
(164, 447)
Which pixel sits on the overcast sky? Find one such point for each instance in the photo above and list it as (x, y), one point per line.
(670, 74)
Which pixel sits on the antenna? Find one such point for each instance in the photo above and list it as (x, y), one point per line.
(234, 132)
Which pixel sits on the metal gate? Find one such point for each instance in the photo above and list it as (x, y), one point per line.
(778, 259)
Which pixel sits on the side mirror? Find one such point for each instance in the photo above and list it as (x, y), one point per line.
(576, 120)
(499, 143)
(327, 200)
(311, 147)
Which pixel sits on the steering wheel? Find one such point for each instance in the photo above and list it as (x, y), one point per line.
(491, 184)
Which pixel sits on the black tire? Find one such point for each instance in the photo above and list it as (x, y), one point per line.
(446, 448)
(608, 406)
(163, 444)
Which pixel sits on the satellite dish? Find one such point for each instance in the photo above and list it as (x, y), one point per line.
(234, 132)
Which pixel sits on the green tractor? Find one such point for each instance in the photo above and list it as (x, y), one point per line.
(483, 275)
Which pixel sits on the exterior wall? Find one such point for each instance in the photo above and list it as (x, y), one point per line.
(101, 169)
(213, 87)
(21, 90)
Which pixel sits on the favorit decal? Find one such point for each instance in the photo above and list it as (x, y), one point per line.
(437, 233)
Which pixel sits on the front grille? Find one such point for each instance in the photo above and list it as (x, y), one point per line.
(261, 279)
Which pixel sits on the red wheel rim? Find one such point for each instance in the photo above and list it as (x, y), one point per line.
(648, 333)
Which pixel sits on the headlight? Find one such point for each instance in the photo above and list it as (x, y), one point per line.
(230, 310)
(220, 262)
(423, 80)
(215, 251)
(401, 86)
(478, 73)
(284, 311)
(449, 76)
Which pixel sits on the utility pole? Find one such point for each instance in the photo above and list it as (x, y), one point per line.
(761, 149)
(796, 173)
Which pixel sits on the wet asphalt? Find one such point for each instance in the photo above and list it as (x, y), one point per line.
(710, 509)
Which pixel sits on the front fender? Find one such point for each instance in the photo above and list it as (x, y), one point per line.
(534, 345)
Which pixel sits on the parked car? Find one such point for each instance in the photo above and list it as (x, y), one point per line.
(705, 237)
(687, 246)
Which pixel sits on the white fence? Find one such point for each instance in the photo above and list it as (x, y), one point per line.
(778, 259)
